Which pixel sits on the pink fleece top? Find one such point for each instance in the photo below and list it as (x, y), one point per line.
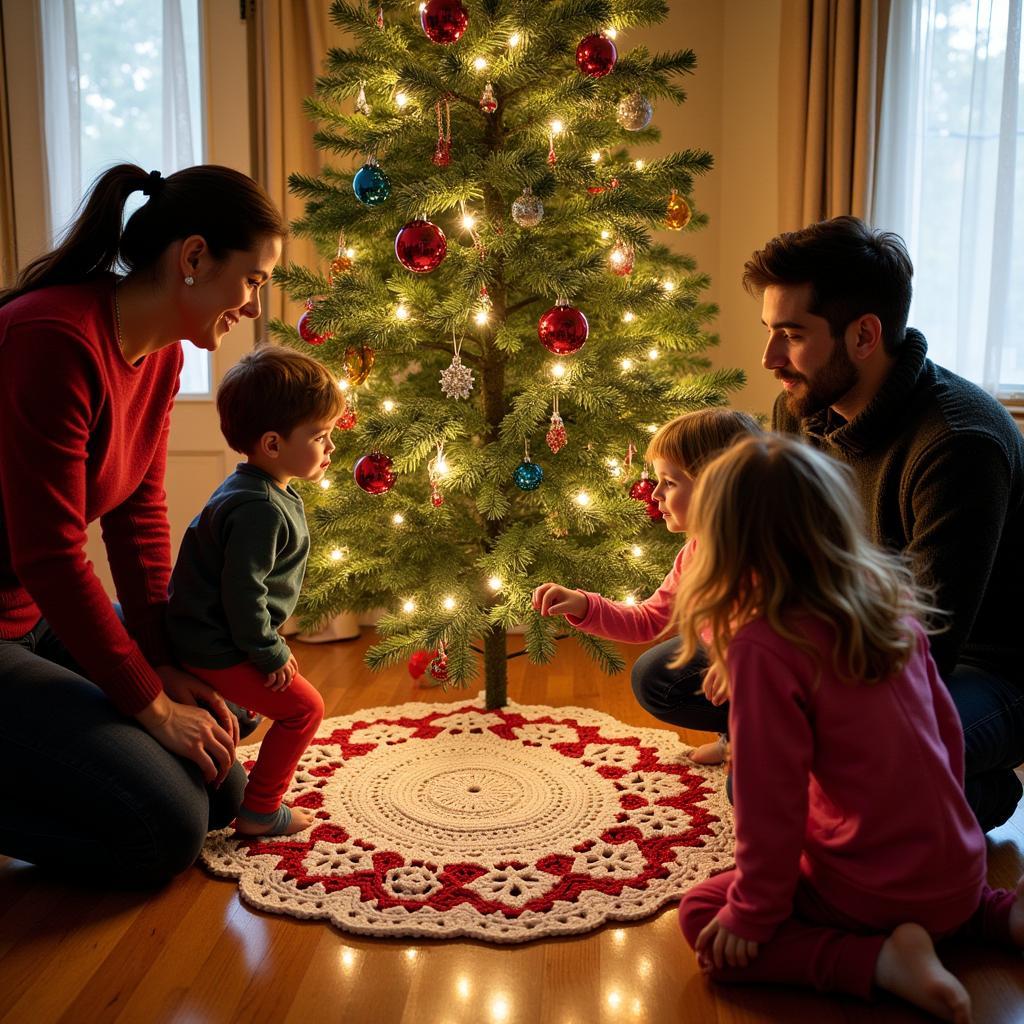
(634, 623)
(857, 789)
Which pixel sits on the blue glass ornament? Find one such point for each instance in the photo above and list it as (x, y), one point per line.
(528, 475)
(371, 185)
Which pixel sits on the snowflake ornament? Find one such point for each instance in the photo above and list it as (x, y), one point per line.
(457, 380)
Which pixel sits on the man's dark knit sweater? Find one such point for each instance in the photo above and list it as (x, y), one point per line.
(940, 467)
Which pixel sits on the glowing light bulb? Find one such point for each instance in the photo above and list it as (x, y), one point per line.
(387, 405)
(448, 603)
(440, 466)
(557, 127)
(398, 519)
(468, 221)
(350, 253)
(515, 39)
(616, 471)
(595, 157)
(479, 63)
(636, 551)
(668, 285)
(494, 583)
(617, 257)
(652, 428)
(653, 353)
(639, 165)
(408, 607)
(612, 463)
(628, 317)
(401, 312)
(627, 364)
(606, 234)
(324, 484)
(630, 599)
(481, 316)
(582, 499)
(401, 99)
(611, 32)
(343, 385)
(337, 555)
(423, 7)
(558, 370)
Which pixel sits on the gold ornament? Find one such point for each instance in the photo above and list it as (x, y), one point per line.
(678, 214)
(358, 363)
(341, 264)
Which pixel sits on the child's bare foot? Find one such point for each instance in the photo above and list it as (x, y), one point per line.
(714, 752)
(909, 968)
(285, 821)
(1017, 916)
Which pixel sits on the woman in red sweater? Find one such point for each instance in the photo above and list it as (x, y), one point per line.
(114, 761)
(855, 845)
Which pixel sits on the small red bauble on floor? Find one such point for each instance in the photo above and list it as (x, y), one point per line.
(418, 662)
(420, 246)
(563, 329)
(596, 55)
(374, 474)
(444, 21)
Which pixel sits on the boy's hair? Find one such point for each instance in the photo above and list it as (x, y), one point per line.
(274, 388)
(851, 268)
(780, 532)
(691, 440)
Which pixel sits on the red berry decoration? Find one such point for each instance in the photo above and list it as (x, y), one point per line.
(563, 329)
(444, 21)
(418, 662)
(347, 419)
(374, 474)
(308, 333)
(438, 668)
(596, 55)
(420, 246)
(653, 512)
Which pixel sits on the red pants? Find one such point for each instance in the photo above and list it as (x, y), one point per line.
(819, 947)
(296, 712)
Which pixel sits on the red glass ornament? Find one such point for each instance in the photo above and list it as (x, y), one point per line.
(439, 666)
(643, 489)
(653, 512)
(621, 258)
(563, 329)
(308, 333)
(556, 437)
(420, 246)
(374, 474)
(442, 153)
(418, 662)
(596, 55)
(444, 21)
(347, 419)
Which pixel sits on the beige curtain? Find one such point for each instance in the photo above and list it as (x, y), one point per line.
(288, 41)
(833, 55)
(8, 236)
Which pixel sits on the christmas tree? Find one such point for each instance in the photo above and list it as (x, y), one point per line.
(506, 324)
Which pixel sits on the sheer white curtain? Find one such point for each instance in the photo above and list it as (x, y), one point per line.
(950, 179)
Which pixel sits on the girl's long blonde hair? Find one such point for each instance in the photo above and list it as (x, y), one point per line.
(780, 533)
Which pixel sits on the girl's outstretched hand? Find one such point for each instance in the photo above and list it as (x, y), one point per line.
(552, 599)
(718, 947)
(716, 686)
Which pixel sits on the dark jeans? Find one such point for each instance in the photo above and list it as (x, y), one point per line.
(86, 789)
(991, 711)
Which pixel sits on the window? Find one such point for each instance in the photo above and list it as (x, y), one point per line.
(951, 179)
(122, 84)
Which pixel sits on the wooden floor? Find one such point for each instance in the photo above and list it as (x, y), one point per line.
(194, 953)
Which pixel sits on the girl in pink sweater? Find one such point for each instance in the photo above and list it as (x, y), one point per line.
(672, 693)
(855, 846)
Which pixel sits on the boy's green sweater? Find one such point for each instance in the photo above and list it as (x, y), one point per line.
(238, 574)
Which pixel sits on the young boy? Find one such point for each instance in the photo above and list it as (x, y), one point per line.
(241, 564)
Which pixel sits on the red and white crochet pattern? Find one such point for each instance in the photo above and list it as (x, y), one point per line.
(447, 820)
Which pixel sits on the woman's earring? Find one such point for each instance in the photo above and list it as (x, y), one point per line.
(190, 280)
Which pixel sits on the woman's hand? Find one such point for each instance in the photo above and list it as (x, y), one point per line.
(716, 686)
(718, 946)
(552, 599)
(185, 688)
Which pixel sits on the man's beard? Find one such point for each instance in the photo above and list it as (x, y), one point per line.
(826, 387)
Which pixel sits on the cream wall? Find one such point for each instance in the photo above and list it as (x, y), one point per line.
(732, 110)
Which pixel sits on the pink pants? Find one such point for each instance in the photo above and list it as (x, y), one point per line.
(821, 948)
(296, 712)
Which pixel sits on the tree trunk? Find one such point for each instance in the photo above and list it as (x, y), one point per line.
(495, 668)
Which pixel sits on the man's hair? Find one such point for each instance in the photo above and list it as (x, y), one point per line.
(694, 438)
(274, 388)
(851, 268)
